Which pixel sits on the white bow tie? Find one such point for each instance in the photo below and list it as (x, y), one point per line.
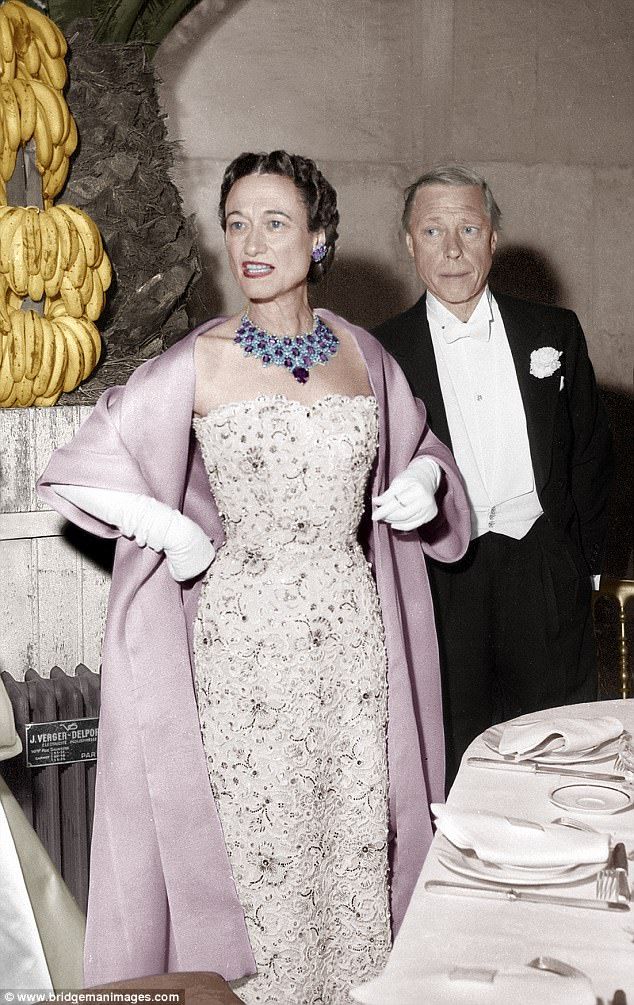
(472, 329)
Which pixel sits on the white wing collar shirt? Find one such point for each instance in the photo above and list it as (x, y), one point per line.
(486, 417)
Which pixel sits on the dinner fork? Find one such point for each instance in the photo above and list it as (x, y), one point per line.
(607, 887)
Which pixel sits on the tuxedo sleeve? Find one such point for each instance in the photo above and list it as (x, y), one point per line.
(591, 460)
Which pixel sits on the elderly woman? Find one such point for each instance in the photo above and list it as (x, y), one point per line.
(271, 728)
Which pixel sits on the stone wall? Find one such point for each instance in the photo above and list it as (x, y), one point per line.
(537, 96)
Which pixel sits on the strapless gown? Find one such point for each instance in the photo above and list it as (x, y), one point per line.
(290, 676)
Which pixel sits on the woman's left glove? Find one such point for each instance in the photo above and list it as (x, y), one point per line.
(409, 501)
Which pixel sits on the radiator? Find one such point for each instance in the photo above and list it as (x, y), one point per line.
(58, 800)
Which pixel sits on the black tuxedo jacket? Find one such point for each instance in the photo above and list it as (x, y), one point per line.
(570, 441)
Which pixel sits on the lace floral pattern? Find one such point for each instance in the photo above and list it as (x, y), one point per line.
(291, 690)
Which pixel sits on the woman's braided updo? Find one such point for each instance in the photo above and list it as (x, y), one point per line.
(318, 195)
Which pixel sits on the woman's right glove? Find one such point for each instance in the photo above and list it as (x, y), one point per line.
(188, 550)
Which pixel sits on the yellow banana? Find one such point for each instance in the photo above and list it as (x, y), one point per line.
(22, 33)
(59, 367)
(52, 285)
(24, 392)
(14, 302)
(18, 272)
(92, 333)
(85, 290)
(7, 48)
(10, 220)
(36, 287)
(71, 298)
(66, 116)
(32, 240)
(104, 270)
(54, 308)
(12, 399)
(43, 141)
(51, 105)
(97, 301)
(49, 244)
(89, 340)
(72, 139)
(53, 181)
(8, 70)
(44, 402)
(87, 230)
(31, 57)
(11, 108)
(45, 370)
(28, 107)
(5, 322)
(47, 32)
(7, 163)
(76, 271)
(58, 157)
(6, 377)
(74, 373)
(63, 233)
(17, 346)
(34, 343)
(52, 71)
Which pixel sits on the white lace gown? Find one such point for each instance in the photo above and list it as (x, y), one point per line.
(291, 688)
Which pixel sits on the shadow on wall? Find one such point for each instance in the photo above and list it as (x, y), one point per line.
(206, 299)
(520, 271)
(362, 291)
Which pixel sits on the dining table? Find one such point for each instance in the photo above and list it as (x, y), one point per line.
(447, 934)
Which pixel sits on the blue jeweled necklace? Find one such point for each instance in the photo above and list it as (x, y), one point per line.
(297, 354)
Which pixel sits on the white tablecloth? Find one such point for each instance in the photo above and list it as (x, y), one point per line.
(441, 932)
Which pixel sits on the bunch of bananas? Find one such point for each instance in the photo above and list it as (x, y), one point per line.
(32, 77)
(54, 252)
(42, 355)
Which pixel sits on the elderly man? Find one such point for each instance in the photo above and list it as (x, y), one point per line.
(509, 386)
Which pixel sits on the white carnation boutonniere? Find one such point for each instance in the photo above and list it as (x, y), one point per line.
(545, 361)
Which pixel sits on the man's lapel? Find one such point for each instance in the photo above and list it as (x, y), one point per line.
(526, 332)
(416, 350)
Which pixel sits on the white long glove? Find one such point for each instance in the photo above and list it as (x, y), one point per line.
(409, 501)
(188, 550)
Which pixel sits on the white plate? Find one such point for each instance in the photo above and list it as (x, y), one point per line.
(590, 798)
(601, 753)
(475, 868)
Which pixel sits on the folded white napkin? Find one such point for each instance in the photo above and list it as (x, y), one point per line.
(572, 734)
(507, 841)
(520, 984)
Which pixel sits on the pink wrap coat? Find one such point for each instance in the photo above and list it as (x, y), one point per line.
(162, 896)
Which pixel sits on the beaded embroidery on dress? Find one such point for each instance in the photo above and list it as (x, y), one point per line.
(290, 673)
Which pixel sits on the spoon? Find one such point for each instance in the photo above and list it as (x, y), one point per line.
(555, 966)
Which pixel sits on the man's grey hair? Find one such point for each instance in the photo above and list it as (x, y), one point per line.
(452, 174)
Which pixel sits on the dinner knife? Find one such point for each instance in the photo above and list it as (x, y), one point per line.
(618, 861)
(509, 893)
(533, 767)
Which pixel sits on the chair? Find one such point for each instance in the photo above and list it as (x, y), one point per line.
(198, 988)
(621, 591)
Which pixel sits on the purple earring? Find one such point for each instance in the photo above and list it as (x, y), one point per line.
(319, 252)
